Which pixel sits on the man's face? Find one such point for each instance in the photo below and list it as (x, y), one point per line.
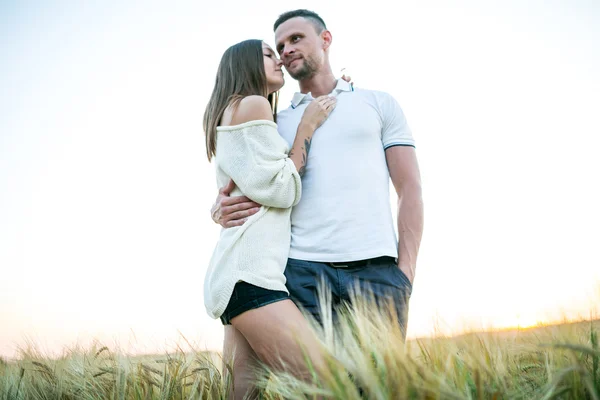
(300, 47)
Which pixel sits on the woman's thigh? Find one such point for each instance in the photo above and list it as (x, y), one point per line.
(236, 348)
(238, 357)
(280, 336)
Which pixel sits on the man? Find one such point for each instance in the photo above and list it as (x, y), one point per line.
(342, 229)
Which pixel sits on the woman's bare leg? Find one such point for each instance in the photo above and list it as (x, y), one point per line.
(281, 337)
(238, 354)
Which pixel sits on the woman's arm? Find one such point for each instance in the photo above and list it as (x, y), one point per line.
(250, 156)
(234, 211)
(314, 115)
(253, 156)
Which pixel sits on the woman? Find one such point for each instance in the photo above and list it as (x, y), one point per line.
(245, 284)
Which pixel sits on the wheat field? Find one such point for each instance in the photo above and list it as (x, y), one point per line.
(367, 359)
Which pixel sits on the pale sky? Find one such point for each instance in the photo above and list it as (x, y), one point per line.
(105, 189)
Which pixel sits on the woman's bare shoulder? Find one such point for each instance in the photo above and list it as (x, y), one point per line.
(252, 108)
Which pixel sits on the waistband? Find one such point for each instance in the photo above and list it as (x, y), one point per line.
(362, 263)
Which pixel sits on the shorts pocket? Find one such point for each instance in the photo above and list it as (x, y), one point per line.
(402, 276)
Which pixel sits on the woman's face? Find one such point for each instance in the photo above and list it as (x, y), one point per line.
(272, 69)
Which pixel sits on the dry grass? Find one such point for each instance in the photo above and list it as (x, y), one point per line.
(99, 373)
(367, 360)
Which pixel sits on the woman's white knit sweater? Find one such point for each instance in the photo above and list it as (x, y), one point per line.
(256, 158)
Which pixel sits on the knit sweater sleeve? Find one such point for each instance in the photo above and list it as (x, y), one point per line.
(255, 157)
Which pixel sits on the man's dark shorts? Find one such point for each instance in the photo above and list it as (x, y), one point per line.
(379, 276)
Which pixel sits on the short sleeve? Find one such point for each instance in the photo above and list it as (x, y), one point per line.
(395, 130)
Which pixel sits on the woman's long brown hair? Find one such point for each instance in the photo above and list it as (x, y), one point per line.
(241, 73)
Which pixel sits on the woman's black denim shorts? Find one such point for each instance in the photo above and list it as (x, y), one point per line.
(246, 297)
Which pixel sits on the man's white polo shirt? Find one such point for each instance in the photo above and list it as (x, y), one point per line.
(344, 213)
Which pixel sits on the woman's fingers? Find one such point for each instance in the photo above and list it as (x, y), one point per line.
(326, 102)
(330, 104)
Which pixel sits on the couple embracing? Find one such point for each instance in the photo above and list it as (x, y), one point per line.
(304, 197)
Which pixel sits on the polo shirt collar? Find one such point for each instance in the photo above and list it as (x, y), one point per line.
(341, 86)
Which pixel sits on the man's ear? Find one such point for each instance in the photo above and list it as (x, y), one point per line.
(327, 39)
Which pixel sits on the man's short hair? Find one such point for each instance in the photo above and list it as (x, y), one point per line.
(311, 16)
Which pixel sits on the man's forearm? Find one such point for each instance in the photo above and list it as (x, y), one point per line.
(410, 226)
